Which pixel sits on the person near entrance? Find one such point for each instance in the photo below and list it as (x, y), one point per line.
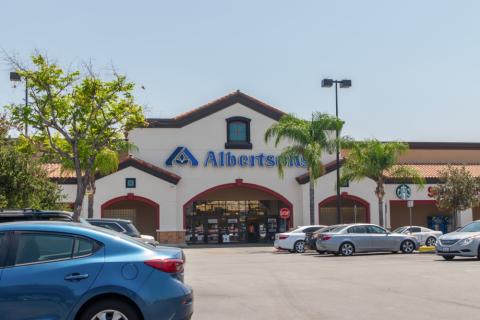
(252, 232)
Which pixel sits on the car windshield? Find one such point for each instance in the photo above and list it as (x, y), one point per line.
(399, 230)
(296, 230)
(336, 229)
(328, 228)
(471, 227)
(131, 230)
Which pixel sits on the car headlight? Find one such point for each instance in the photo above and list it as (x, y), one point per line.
(466, 241)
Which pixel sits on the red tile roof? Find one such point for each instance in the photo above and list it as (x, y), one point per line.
(56, 172)
(433, 170)
(214, 106)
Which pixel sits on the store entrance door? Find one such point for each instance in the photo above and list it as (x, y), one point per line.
(252, 232)
(235, 213)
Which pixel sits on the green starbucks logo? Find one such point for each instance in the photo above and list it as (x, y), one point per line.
(403, 192)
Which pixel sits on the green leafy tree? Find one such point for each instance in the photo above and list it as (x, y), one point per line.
(374, 160)
(307, 139)
(457, 191)
(23, 181)
(74, 116)
(107, 162)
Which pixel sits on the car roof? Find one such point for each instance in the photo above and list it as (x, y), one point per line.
(412, 227)
(46, 226)
(109, 220)
(311, 226)
(97, 233)
(74, 228)
(32, 212)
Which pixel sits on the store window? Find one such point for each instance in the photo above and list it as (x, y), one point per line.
(130, 182)
(233, 221)
(238, 133)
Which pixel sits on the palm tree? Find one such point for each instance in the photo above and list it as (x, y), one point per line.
(307, 139)
(375, 160)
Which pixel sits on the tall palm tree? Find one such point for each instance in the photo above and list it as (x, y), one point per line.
(307, 139)
(375, 160)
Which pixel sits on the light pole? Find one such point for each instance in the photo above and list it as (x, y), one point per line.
(328, 83)
(15, 77)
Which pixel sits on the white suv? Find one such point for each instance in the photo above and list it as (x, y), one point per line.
(294, 241)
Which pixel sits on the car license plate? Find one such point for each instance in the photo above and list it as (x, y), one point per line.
(445, 249)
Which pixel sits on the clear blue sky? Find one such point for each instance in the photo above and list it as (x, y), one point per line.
(415, 65)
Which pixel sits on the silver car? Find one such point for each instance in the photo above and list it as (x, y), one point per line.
(424, 235)
(351, 238)
(464, 242)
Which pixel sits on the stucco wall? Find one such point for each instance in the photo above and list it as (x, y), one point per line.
(155, 146)
(148, 186)
(325, 188)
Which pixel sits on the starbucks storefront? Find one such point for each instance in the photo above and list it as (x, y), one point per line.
(235, 214)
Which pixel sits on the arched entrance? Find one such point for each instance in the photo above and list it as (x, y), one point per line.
(143, 212)
(353, 210)
(235, 213)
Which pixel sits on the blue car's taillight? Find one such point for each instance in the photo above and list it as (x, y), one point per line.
(166, 265)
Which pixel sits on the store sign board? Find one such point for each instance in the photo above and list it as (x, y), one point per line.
(284, 213)
(181, 156)
(403, 192)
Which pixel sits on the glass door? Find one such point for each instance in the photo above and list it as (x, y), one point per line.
(232, 233)
(212, 231)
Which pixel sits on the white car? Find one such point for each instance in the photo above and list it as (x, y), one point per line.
(294, 241)
(424, 235)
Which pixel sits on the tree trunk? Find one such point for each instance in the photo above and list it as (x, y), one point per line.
(380, 212)
(455, 219)
(380, 192)
(91, 195)
(77, 209)
(312, 201)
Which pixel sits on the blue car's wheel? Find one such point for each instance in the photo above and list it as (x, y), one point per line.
(109, 309)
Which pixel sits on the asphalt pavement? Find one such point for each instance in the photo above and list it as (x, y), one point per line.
(259, 283)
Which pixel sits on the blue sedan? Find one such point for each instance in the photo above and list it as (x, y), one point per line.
(57, 270)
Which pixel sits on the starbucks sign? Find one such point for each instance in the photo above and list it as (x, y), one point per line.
(403, 192)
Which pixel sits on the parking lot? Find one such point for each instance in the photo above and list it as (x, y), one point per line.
(259, 283)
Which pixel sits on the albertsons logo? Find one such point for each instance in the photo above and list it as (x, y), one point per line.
(181, 156)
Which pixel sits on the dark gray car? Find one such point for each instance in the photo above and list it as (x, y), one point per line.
(351, 238)
(123, 226)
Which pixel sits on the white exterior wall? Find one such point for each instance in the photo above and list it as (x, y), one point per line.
(148, 186)
(156, 144)
(325, 188)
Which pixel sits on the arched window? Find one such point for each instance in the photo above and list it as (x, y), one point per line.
(238, 133)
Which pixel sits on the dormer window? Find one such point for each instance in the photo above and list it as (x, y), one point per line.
(238, 133)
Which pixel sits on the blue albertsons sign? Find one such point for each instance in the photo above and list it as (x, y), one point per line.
(182, 156)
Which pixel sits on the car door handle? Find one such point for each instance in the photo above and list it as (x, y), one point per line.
(76, 277)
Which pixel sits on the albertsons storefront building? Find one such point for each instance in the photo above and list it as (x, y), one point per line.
(207, 176)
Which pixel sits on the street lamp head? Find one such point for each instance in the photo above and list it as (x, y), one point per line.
(345, 83)
(15, 77)
(327, 83)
